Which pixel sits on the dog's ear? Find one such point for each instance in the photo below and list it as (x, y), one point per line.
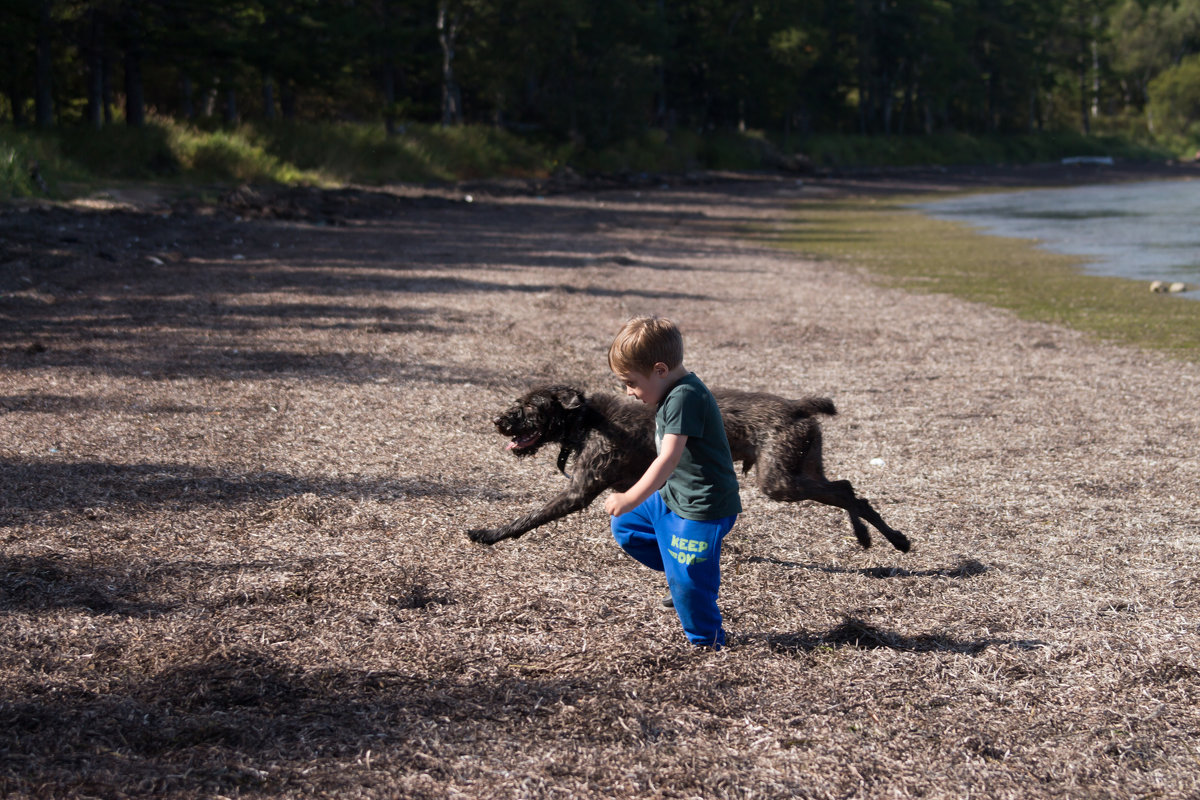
(568, 397)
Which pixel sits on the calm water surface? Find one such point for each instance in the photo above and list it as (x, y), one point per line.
(1145, 231)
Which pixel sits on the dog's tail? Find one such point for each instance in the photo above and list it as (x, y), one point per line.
(811, 406)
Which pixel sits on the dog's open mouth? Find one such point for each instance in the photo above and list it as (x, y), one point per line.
(522, 442)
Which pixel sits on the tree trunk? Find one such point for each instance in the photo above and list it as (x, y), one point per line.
(389, 99)
(660, 73)
(106, 94)
(43, 97)
(187, 106)
(135, 98)
(1095, 69)
(287, 99)
(1081, 65)
(95, 103)
(447, 25)
(268, 94)
(231, 110)
(906, 108)
(95, 71)
(208, 102)
(1085, 118)
(17, 102)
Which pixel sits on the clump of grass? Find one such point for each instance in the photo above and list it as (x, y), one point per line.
(905, 248)
(117, 151)
(161, 150)
(281, 153)
(354, 152)
(235, 155)
(32, 165)
(15, 179)
(474, 151)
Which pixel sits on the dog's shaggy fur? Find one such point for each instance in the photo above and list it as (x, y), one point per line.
(612, 441)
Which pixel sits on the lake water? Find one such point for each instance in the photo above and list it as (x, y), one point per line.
(1145, 231)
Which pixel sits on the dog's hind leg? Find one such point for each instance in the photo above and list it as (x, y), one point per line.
(794, 488)
(868, 512)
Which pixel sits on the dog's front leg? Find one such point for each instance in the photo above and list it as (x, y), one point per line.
(575, 498)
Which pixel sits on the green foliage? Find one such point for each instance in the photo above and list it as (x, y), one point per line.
(1175, 100)
(596, 76)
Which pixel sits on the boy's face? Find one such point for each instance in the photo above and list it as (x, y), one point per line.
(647, 387)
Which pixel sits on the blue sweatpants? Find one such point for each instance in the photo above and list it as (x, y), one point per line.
(689, 552)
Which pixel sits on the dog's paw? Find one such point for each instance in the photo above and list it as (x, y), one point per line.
(483, 535)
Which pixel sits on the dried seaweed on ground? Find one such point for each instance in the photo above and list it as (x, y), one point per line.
(239, 456)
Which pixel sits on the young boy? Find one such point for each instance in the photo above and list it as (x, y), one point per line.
(679, 529)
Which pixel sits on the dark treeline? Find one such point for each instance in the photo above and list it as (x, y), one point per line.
(596, 71)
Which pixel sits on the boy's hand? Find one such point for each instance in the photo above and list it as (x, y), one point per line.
(619, 503)
(615, 504)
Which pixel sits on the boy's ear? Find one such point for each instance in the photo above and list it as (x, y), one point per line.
(660, 369)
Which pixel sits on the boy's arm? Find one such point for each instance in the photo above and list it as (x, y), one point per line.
(656, 475)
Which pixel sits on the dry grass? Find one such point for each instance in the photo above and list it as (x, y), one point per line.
(236, 483)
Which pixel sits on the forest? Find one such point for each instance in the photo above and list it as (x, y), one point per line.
(595, 72)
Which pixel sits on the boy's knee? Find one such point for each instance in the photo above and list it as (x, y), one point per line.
(622, 534)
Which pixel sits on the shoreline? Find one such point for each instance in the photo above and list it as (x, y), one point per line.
(913, 180)
(842, 181)
(908, 248)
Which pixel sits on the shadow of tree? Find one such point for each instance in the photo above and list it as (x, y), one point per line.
(137, 293)
(246, 721)
(127, 586)
(33, 488)
(41, 583)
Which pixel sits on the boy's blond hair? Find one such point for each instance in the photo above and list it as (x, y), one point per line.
(642, 343)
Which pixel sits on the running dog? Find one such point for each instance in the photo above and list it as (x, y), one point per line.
(612, 442)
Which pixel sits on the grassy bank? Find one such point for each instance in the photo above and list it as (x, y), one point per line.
(64, 161)
(907, 249)
(58, 162)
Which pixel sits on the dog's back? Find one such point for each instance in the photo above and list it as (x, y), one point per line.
(754, 418)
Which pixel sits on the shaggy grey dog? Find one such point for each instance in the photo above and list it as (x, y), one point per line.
(612, 441)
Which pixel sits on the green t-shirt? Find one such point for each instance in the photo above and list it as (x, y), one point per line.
(703, 485)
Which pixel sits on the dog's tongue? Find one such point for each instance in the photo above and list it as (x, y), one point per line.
(521, 442)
